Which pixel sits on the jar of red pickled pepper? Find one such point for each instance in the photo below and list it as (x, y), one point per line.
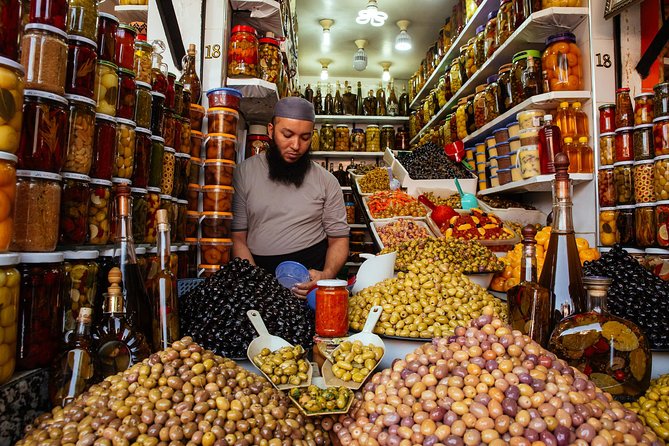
(607, 118)
(331, 308)
(125, 46)
(624, 144)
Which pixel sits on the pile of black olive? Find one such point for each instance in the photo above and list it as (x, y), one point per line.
(429, 162)
(214, 313)
(635, 294)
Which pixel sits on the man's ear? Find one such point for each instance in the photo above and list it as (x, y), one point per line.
(270, 130)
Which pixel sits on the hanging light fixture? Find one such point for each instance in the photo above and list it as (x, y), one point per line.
(403, 39)
(371, 15)
(360, 56)
(385, 77)
(326, 24)
(324, 68)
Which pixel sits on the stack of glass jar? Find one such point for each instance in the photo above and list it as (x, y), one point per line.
(249, 56)
(374, 138)
(633, 179)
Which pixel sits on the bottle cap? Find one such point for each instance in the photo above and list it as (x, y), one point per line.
(114, 291)
(529, 232)
(161, 217)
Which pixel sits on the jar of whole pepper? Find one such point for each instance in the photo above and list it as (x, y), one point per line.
(662, 222)
(606, 187)
(624, 144)
(331, 308)
(107, 25)
(661, 135)
(125, 46)
(624, 111)
(607, 118)
(74, 209)
(104, 150)
(625, 224)
(243, 52)
(624, 181)
(644, 191)
(643, 109)
(608, 226)
(81, 63)
(661, 100)
(643, 142)
(645, 224)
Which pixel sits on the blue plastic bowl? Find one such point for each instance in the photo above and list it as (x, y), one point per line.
(311, 299)
(291, 273)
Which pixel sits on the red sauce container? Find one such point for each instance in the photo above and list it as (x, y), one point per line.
(624, 144)
(331, 308)
(124, 55)
(607, 118)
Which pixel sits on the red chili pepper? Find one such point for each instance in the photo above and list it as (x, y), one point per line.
(619, 375)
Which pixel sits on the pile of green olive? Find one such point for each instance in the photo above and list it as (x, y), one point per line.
(353, 361)
(314, 400)
(284, 366)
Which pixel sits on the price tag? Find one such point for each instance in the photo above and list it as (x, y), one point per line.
(604, 66)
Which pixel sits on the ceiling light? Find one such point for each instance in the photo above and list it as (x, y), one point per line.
(385, 77)
(326, 24)
(403, 39)
(371, 15)
(324, 68)
(360, 56)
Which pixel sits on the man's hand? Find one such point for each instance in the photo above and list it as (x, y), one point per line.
(302, 289)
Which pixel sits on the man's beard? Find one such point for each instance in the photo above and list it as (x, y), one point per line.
(287, 173)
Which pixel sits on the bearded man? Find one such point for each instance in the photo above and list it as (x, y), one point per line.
(286, 207)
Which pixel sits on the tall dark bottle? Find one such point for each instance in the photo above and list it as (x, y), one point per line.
(328, 108)
(309, 94)
(562, 273)
(164, 290)
(318, 101)
(189, 77)
(338, 103)
(359, 108)
(550, 144)
(404, 108)
(137, 304)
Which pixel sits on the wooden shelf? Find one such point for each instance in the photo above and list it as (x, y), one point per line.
(132, 13)
(348, 154)
(530, 35)
(258, 99)
(541, 183)
(264, 15)
(345, 119)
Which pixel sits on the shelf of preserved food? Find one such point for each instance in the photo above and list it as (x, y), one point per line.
(479, 18)
(132, 13)
(541, 183)
(265, 15)
(258, 99)
(544, 101)
(530, 35)
(348, 154)
(344, 119)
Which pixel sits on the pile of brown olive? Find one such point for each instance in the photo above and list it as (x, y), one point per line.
(284, 366)
(182, 395)
(487, 384)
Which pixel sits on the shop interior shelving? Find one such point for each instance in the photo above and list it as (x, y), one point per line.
(541, 183)
(132, 13)
(258, 100)
(344, 119)
(264, 15)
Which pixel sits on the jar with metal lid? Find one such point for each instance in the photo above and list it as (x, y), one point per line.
(526, 75)
(606, 187)
(170, 93)
(402, 139)
(157, 113)
(173, 221)
(643, 109)
(74, 209)
(625, 224)
(327, 137)
(464, 66)
(106, 88)
(662, 222)
(373, 138)
(461, 119)
(186, 103)
(156, 163)
(83, 18)
(453, 124)
(125, 149)
(645, 224)
(167, 178)
(10, 32)
(99, 212)
(269, 59)
(10, 308)
(104, 148)
(12, 116)
(127, 94)
(185, 136)
(81, 65)
(44, 57)
(661, 177)
(142, 158)
(181, 175)
(643, 142)
(387, 137)
(470, 57)
(79, 286)
(561, 61)
(44, 132)
(124, 55)
(624, 181)
(179, 100)
(49, 12)
(357, 140)
(441, 91)
(153, 204)
(490, 35)
(243, 52)
(661, 100)
(505, 21)
(455, 76)
(492, 98)
(607, 149)
(479, 46)
(107, 25)
(624, 144)
(607, 118)
(506, 91)
(661, 135)
(479, 107)
(7, 196)
(342, 138)
(139, 211)
(39, 324)
(170, 124)
(181, 220)
(331, 308)
(608, 226)
(142, 68)
(644, 184)
(37, 210)
(142, 104)
(624, 111)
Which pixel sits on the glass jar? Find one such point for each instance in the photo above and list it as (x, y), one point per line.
(179, 100)
(127, 95)
(662, 222)
(327, 138)
(441, 91)
(624, 144)
(125, 148)
(173, 220)
(104, 149)
(490, 39)
(526, 75)
(81, 64)
(99, 212)
(530, 165)
(373, 138)
(643, 142)
(455, 76)
(331, 308)
(142, 105)
(186, 103)
(608, 227)
(107, 25)
(607, 149)
(661, 100)
(625, 224)
(561, 61)
(139, 211)
(644, 190)
(645, 224)
(643, 109)
(661, 177)
(269, 59)
(36, 212)
(387, 137)
(661, 135)
(74, 209)
(12, 116)
(152, 206)
(170, 93)
(624, 181)
(341, 138)
(607, 118)
(44, 57)
(492, 98)
(506, 89)
(49, 12)
(196, 174)
(192, 224)
(167, 178)
(106, 88)
(124, 55)
(479, 46)
(181, 220)
(357, 140)
(156, 163)
(39, 324)
(222, 120)
(470, 57)
(7, 198)
(142, 156)
(243, 52)
(157, 113)
(479, 107)
(142, 68)
(181, 174)
(606, 187)
(169, 128)
(624, 111)
(10, 308)
(83, 18)
(402, 139)
(183, 145)
(10, 32)
(461, 119)
(505, 21)
(44, 131)
(79, 286)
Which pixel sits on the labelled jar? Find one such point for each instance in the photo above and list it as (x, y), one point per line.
(139, 213)
(167, 178)
(125, 148)
(662, 222)
(624, 144)
(156, 164)
(645, 224)
(142, 155)
(643, 142)
(624, 181)
(222, 120)
(218, 172)
(81, 65)
(39, 322)
(644, 184)
(607, 149)
(661, 177)
(606, 187)
(74, 209)
(607, 118)
(625, 224)
(127, 95)
(643, 109)
(44, 132)
(81, 133)
(661, 100)
(157, 113)
(661, 135)
(124, 55)
(10, 306)
(106, 88)
(608, 226)
(79, 286)
(12, 116)
(44, 57)
(142, 68)
(153, 204)
(104, 150)
(107, 25)
(142, 104)
(37, 210)
(99, 212)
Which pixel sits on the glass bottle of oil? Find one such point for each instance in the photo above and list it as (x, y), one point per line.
(574, 154)
(164, 292)
(566, 120)
(586, 155)
(581, 121)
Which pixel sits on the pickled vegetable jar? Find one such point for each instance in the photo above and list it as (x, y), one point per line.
(479, 107)
(217, 198)
(372, 138)
(49, 12)
(625, 224)
(507, 94)
(193, 196)
(139, 211)
(44, 132)
(143, 53)
(455, 76)
(10, 24)
(243, 52)
(181, 175)
(331, 308)
(490, 41)
(624, 181)
(479, 46)
(107, 25)
(661, 135)
(152, 206)
(661, 100)
(79, 285)
(645, 224)
(220, 146)
(124, 56)
(608, 227)
(644, 190)
(37, 211)
(142, 105)
(10, 308)
(99, 212)
(387, 137)
(327, 137)
(39, 324)
(178, 99)
(342, 138)
(624, 111)
(185, 134)
(81, 64)
(661, 177)
(606, 187)
(74, 209)
(156, 163)
(643, 142)
(196, 174)
(125, 148)
(181, 207)
(126, 94)
(44, 57)
(83, 18)
(11, 112)
(167, 178)
(106, 88)
(104, 149)
(607, 118)
(196, 116)
(157, 113)
(196, 139)
(169, 128)
(218, 172)
(643, 109)
(269, 59)
(561, 62)
(607, 149)
(526, 77)
(357, 140)
(624, 144)
(662, 222)
(505, 22)
(170, 94)
(492, 98)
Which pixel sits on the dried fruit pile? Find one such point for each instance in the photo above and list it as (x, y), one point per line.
(477, 225)
(388, 204)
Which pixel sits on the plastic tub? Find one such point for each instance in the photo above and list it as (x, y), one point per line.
(215, 251)
(216, 224)
(224, 97)
(222, 120)
(218, 172)
(196, 138)
(205, 271)
(193, 196)
(290, 273)
(196, 114)
(514, 129)
(217, 198)
(221, 146)
(530, 118)
(192, 224)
